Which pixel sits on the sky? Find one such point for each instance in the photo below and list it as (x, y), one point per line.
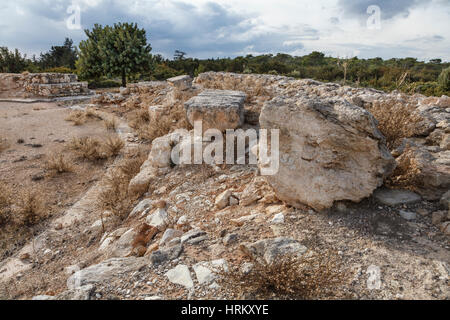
(230, 28)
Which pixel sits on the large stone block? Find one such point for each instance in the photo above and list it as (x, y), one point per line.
(330, 150)
(218, 109)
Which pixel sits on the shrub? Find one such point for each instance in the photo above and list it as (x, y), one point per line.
(396, 121)
(88, 148)
(313, 276)
(100, 84)
(5, 202)
(114, 196)
(78, 117)
(114, 145)
(58, 164)
(111, 123)
(59, 70)
(444, 79)
(31, 207)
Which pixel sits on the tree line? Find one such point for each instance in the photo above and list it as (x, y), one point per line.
(115, 55)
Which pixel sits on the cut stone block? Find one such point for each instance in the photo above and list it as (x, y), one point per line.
(217, 109)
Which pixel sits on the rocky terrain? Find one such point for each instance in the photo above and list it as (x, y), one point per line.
(361, 197)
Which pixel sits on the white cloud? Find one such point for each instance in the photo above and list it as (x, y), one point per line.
(205, 28)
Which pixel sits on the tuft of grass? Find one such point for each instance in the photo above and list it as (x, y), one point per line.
(313, 276)
(113, 145)
(78, 117)
(5, 203)
(111, 123)
(88, 148)
(115, 196)
(93, 114)
(30, 207)
(58, 164)
(396, 121)
(408, 173)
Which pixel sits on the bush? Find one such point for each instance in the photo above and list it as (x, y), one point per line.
(100, 84)
(58, 164)
(59, 70)
(444, 79)
(312, 276)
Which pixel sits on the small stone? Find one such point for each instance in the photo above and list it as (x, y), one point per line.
(180, 275)
(158, 219)
(445, 200)
(234, 201)
(230, 239)
(278, 219)
(223, 200)
(396, 197)
(438, 217)
(423, 212)
(206, 271)
(445, 228)
(192, 234)
(168, 235)
(407, 215)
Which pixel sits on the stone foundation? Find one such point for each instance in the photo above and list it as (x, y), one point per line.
(41, 85)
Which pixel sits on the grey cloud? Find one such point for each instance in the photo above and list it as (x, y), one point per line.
(389, 8)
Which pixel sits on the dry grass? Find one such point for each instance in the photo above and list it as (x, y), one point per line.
(407, 174)
(172, 117)
(111, 123)
(30, 207)
(314, 276)
(115, 196)
(252, 87)
(93, 149)
(114, 145)
(78, 117)
(5, 203)
(396, 121)
(58, 164)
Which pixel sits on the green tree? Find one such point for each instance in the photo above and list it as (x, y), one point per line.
(12, 61)
(119, 50)
(60, 56)
(444, 79)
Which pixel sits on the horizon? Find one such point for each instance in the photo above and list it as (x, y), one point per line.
(227, 29)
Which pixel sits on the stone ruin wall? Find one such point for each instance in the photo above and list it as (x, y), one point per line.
(41, 85)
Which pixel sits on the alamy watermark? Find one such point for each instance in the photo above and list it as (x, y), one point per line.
(213, 147)
(73, 22)
(374, 20)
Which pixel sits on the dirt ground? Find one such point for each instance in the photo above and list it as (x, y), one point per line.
(35, 132)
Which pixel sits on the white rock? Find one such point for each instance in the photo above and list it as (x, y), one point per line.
(337, 153)
(278, 219)
(206, 272)
(158, 219)
(168, 235)
(223, 200)
(180, 275)
(407, 215)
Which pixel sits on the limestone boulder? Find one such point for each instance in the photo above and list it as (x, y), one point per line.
(217, 109)
(330, 150)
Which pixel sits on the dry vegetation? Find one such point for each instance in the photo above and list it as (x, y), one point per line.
(80, 117)
(172, 117)
(253, 88)
(396, 121)
(93, 149)
(58, 163)
(115, 196)
(111, 123)
(313, 276)
(407, 174)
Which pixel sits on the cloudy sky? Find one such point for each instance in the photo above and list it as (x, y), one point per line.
(228, 28)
